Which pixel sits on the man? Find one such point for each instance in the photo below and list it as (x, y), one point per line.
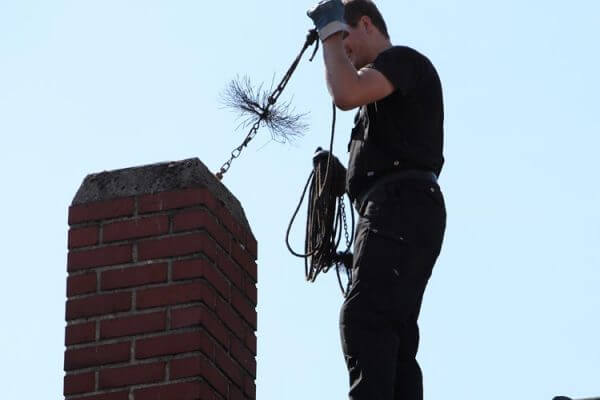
(395, 158)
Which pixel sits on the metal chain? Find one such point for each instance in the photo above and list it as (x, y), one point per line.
(339, 264)
(346, 234)
(311, 38)
(238, 150)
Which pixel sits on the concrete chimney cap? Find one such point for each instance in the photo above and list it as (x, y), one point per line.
(156, 178)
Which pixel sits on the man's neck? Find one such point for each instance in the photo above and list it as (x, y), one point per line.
(378, 47)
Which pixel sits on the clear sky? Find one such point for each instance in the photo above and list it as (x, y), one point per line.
(512, 309)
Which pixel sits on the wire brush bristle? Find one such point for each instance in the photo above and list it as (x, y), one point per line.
(253, 106)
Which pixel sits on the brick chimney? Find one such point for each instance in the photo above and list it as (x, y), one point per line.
(161, 288)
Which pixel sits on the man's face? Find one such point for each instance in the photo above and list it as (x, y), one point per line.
(355, 42)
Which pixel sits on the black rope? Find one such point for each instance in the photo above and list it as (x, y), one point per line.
(325, 219)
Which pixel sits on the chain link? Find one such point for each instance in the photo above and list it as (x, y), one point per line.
(345, 223)
(238, 150)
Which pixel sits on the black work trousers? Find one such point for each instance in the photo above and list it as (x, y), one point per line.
(398, 239)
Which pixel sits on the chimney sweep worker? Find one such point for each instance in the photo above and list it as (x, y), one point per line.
(395, 159)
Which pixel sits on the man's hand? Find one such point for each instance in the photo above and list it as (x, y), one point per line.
(338, 171)
(328, 16)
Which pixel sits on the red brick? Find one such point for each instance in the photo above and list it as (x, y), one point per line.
(176, 343)
(174, 294)
(250, 341)
(210, 249)
(200, 268)
(230, 318)
(207, 345)
(229, 367)
(81, 284)
(81, 237)
(215, 378)
(251, 245)
(134, 325)
(189, 269)
(243, 356)
(250, 291)
(176, 199)
(241, 233)
(134, 276)
(250, 387)
(199, 366)
(185, 317)
(80, 333)
(174, 391)
(203, 317)
(244, 259)
(136, 228)
(229, 221)
(96, 355)
(229, 268)
(235, 393)
(98, 305)
(101, 210)
(196, 219)
(133, 375)
(81, 383)
(212, 324)
(217, 280)
(188, 220)
(243, 307)
(208, 393)
(187, 367)
(107, 396)
(174, 246)
(110, 255)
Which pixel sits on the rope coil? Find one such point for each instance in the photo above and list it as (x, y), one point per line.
(325, 218)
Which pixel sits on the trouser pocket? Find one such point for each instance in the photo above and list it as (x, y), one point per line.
(390, 272)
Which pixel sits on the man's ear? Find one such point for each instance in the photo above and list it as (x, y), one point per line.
(366, 23)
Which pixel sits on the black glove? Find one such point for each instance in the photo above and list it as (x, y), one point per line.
(346, 258)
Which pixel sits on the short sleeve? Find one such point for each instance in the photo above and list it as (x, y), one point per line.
(399, 66)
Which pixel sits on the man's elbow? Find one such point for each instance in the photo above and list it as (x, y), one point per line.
(345, 103)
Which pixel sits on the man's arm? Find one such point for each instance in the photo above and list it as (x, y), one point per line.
(350, 88)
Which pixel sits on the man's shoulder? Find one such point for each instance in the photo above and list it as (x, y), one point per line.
(403, 52)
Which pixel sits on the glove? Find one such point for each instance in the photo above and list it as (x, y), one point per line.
(328, 17)
(346, 258)
(319, 154)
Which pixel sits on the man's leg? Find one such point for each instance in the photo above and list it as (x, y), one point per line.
(397, 243)
(409, 378)
(429, 210)
(385, 293)
(370, 346)
(369, 341)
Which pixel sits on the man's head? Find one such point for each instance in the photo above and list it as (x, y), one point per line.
(368, 34)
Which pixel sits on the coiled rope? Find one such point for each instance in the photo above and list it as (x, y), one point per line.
(325, 218)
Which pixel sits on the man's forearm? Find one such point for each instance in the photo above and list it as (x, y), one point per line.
(340, 74)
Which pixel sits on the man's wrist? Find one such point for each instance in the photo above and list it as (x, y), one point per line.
(335, 37)
(331, 29)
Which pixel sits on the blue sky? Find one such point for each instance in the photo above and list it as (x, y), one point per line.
(512, 308)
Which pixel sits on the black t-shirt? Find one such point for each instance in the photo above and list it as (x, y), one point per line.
(402, 131)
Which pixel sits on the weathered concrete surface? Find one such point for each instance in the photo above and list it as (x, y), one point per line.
(155, 178)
